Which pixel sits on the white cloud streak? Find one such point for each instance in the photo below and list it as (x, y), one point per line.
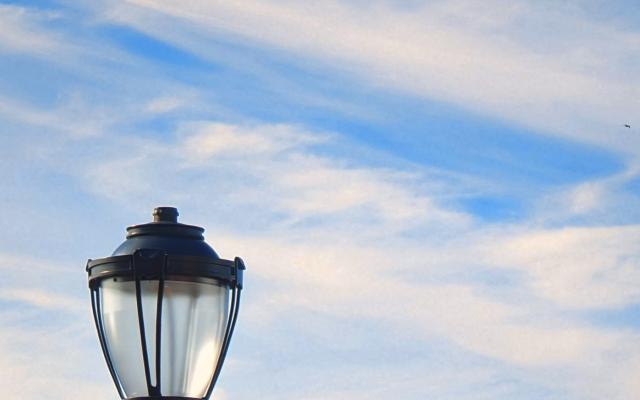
(45, 331)
(268, 167)
(72, 117)
(21, 32)
(601, 197)
(43, 299)
(577, 79)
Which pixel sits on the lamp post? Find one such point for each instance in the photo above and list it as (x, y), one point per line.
(165, 306)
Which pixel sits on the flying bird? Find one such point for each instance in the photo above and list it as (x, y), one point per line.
(627, 126)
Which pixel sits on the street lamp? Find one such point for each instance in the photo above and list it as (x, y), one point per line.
(165, 306)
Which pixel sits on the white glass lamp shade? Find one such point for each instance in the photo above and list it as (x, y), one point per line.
(193, 321)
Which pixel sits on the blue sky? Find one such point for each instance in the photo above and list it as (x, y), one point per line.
(434, 199)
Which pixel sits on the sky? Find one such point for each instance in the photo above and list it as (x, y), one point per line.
(434, 199)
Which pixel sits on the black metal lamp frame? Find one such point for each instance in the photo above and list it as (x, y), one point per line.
(158, 265)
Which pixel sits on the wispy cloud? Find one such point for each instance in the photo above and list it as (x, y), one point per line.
(579, 85)
(603, 200)
(164, 104)
(21, 31)
(277, 169)
(45, 331)
(72, 117)
(42, 299)
(577, 267)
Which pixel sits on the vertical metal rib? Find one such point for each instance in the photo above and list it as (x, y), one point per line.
(143, 340)
(159, 327)
(97, 318)
(231, 322)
